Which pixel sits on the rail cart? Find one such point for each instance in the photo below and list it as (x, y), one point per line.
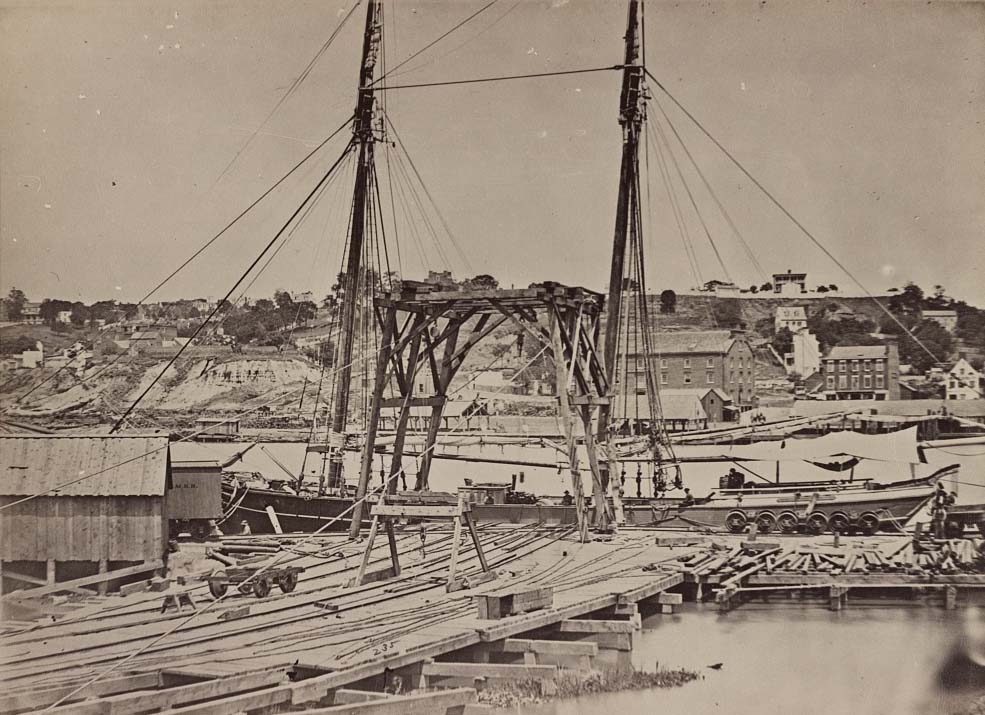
(242, 578)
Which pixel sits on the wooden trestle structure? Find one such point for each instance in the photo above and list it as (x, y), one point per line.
(427, 329)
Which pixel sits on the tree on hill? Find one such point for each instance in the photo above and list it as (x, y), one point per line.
(80, 314)
(727, 313)
(783, 341)
(910, 301)
(15, 301)
(930, 335)
(668, 301)
(766, 287)
(483, 281)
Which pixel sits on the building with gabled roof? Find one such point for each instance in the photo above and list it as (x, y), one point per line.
(963, 382)
(698, 359)
(861, 372)
(78, 505)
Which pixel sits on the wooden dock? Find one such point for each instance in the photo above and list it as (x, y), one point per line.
(357, 649)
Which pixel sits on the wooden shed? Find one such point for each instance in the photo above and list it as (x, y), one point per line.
(74, 506)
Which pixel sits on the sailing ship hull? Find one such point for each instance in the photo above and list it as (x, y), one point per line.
(814, 508)
(295, 513)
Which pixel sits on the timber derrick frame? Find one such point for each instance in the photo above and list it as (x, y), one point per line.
(423, 328)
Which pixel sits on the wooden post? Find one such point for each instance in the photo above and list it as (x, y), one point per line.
(369, 548)
(407, 393)
(475, 538)
(50, 575)
(567, 424)
(455, 545)
(103, 568)
(445, 372)
(950, 597)
(379, 386)
(392, 539)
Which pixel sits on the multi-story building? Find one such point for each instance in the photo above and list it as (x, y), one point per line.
(963, 382)
(861, 372)
(793, 318)
(708, 359)
(789, 283)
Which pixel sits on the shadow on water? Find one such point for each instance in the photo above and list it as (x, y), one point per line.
(903, 658)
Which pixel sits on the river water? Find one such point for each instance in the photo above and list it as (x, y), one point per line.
(787, 657)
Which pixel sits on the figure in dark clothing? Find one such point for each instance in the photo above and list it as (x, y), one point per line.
(639, 483)
(688, 498)
(567, 499)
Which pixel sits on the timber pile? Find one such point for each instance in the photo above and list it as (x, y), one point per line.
(916, 557)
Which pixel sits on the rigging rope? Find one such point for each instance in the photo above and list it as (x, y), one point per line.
(290, 91)
(725, 214)
(500, 78)
(436, 40)
(803, 229)
(242, 278)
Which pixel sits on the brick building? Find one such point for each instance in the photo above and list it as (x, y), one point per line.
(710, 359)
(861, 372)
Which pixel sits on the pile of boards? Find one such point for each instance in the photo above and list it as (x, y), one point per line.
(919, 556)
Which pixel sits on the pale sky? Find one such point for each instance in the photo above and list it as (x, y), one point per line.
(865, 119)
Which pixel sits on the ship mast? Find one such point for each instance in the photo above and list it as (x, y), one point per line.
(631, 117)
(362, 130)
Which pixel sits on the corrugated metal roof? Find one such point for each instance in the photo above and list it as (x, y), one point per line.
(111, 465)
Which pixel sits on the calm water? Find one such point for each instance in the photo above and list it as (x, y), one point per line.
(786, 657)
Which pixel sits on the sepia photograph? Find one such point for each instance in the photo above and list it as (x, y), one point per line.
(520, 357)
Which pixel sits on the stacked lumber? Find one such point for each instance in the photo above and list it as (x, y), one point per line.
(922, 557)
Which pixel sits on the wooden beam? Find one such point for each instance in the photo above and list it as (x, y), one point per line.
(435, 512)
(24, 578)
(490, 670)
(590, 626)
(42, 697)
(168, 698)
(85, 581)
(413, 401)
(523, 645)
(434, 702)
(344, 696)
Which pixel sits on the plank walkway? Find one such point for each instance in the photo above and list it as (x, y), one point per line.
(326, 636)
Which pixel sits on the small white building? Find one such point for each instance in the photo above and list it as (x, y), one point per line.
(31, 359)
(947, 319)
(964, 382)
(64, 316)
(793, 318)
(805, 359)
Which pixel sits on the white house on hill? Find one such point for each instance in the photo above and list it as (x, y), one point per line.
(964, 382)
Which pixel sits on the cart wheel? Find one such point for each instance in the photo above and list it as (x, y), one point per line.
(245, 588)
(218, 587)
(787, 522)
(736, 522)
(199, 530)
(288, 581)
(868, 523)
(765, 522)
(817, 523)
(261, 587)
(839, 522)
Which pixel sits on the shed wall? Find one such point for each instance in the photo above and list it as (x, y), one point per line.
(83, 529)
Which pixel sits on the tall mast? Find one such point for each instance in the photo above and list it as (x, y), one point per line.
(631, 117)
(362, 130)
